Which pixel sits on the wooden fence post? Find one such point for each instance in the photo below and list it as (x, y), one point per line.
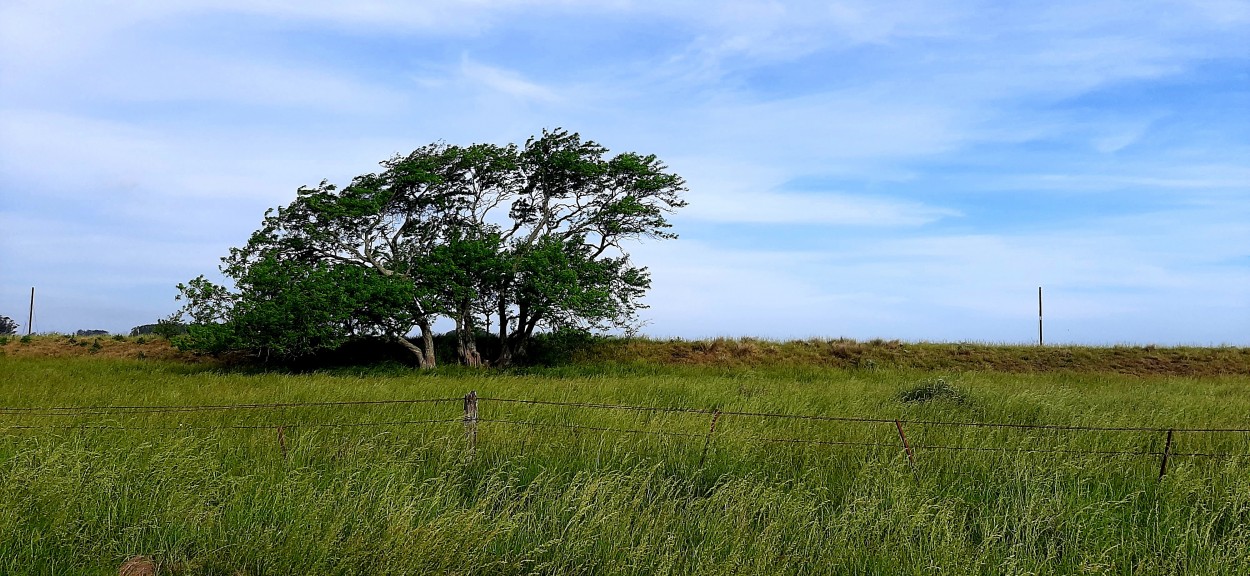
(282, 440)
(708, 441)
(906, 446)
(470, 419)
(1167, 450)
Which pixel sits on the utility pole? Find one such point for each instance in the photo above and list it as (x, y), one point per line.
(30, 321)
(1039, 316)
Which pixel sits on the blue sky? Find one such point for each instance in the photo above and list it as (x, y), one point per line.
(861, 169)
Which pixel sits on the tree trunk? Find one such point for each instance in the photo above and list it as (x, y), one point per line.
(505, 347)
(524, 332)
(466, 344)
(516, 340)
(519, 338)
(427, 342)
(416, 350)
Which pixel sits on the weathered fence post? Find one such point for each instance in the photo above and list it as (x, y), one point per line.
(470, 419)
(708, 441)
(282, 440)
(1167, 450)
(906, 446)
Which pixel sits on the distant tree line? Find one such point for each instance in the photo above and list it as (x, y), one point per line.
(506, 240)
(7, 326)
(166, 328)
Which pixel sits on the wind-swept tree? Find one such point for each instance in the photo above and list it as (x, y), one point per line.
(522, 238)
(370, 232)
(573, 211)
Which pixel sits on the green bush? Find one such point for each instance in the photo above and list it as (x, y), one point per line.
(168, 329)
(559, 347)
(931, 390)
(207, 338)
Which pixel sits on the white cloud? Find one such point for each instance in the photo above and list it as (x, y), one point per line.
(508, 82)
(109, 109)
(73, 156)
(1118, 137)
(826, 208)
(1197, 180)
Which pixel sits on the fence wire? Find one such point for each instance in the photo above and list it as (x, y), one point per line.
(102, 410)
(283, 407)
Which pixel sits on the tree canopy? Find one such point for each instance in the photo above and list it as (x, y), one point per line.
(521, 238)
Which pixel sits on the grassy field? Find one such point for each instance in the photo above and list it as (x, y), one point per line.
(558, 489)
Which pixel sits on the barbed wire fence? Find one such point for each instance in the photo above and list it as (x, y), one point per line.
(470, 417)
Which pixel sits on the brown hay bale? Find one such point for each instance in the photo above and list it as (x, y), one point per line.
(138, 566)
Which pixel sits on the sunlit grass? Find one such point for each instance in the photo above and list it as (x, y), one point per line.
(380, 489)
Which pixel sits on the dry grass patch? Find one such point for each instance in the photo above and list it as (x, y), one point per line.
(851, 354)
(138, 566)
(67, 346)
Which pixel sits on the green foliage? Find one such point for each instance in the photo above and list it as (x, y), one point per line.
(931, 390)
(524, 238)
(166, 328)
(561, 347)
(565, 286)
(286, 309)
(446, 344)
(26, 339)
(216, 338)
(169, 328)
(143, 330)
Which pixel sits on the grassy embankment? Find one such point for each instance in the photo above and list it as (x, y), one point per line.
(84, 492)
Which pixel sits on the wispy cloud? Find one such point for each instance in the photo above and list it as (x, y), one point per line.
(765, 207)
(868, 148)
(507, 82)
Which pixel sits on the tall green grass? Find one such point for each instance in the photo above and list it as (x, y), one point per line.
(358, 490)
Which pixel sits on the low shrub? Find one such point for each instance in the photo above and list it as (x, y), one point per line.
(559, 347)
(931, 390)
